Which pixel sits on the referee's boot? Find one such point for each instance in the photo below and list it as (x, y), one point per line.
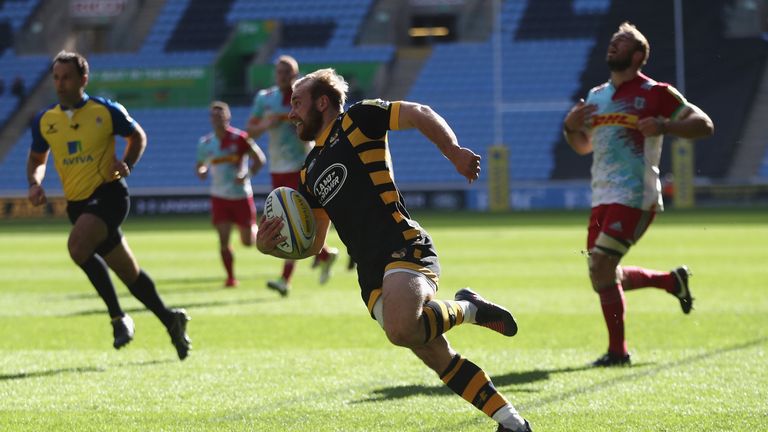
(178, 332)
(123, 330)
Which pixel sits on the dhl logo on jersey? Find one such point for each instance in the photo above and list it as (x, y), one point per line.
(226, 159)
(615, 119)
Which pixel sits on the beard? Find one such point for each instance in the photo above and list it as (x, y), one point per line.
(311, 125)
(619, 64)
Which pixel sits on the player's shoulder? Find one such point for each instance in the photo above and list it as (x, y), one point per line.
(48, 109)
(600, 88)
(237, 133)
(109, 103)
(368, 106)
(268, 92)
(207, 138)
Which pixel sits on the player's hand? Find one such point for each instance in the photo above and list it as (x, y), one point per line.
(202, 173)
(652, 126)
(268, 235)
(120, 169)
(466, 161)
(579, 115)
(36, 195)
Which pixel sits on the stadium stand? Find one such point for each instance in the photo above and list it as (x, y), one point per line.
(552, 53)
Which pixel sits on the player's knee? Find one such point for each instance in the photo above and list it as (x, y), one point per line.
(602, 270)
(401, 337)
(77, 251)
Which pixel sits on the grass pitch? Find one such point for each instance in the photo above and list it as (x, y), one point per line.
(316, 361)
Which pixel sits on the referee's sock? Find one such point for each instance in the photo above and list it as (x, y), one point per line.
(98, 273)
(143, 288)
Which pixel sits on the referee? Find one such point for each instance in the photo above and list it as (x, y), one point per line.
(80, 132)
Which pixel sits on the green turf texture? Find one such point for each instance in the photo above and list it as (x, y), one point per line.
(315, 361)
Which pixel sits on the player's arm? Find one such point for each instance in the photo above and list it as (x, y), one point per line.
(692, 123)
(574, 130)
(136, 143)
(268, 236)
(437, 130)
(258, 159)
(35, 173)
(257, 126)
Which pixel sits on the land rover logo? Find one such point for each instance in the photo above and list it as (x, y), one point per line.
(330, 182)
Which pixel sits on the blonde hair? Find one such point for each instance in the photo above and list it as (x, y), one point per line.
(288, 60)
(326, 82)
(642, 43)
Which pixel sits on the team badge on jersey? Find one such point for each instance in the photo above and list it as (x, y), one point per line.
(639, 103)
(329, 183)
(376, 102)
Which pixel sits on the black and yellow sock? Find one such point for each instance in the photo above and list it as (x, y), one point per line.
(471, 383)
(440, 316)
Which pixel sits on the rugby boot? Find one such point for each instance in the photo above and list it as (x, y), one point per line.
(489, 314)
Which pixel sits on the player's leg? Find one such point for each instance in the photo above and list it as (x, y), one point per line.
(88, 232)
(675, 282)
(245, 219)
(613, 230)
(223, 229)
(222, 215)
(470, 382)
(325, 259)
(123, 262)
(404, 297)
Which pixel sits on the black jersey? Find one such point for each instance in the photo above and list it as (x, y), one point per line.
(348, 174)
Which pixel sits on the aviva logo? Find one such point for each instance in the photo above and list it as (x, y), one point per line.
(615, 119)
(74, 147)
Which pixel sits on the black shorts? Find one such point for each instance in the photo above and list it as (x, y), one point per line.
(110, 202)
(419, 256)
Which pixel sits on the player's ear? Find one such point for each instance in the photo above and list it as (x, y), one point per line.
(321, 103)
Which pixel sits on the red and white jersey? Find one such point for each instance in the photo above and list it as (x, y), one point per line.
(625, 166)
(227, 159)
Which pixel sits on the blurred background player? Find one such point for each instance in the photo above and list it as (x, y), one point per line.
(286, 153)
(623, 123)
(80, 131)
(347, 179)
(225, 154)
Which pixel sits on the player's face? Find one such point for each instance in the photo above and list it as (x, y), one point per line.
(621, 50)
(68, 83)
(304, 114)
(219, 118)
(284, 75)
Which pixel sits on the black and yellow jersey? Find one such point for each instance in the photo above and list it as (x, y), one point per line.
(82, 141)
(349, 174)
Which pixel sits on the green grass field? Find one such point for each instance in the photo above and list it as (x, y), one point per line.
(315, 361)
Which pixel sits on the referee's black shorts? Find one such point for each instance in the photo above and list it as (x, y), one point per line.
(110, 202)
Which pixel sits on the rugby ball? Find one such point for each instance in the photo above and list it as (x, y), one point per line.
(298, 220)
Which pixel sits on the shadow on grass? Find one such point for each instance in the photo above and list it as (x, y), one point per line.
(176, 286)
(219, 303)
(75, 370)
(513, 378)
(635, 372)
